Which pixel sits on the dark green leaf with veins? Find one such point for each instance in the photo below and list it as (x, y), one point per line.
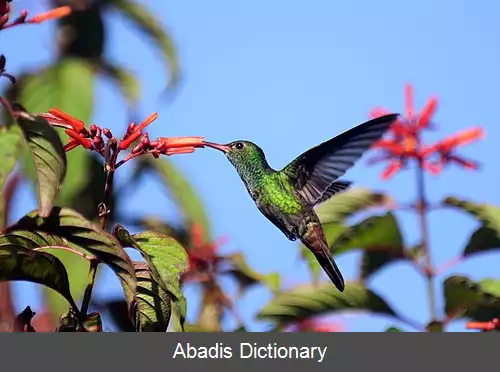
(48, 156)
(153, 309)
(86, 237)
(19, 261)
(306, 301)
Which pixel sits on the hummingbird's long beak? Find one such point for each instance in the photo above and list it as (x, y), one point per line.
(224, 148)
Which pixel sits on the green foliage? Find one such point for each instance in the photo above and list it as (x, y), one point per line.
(153, 302)
(20, 259)
(84, 236)
(307, 301)
(148, 24)
(48, 156)
(68, 85)
(394, 329)
(487, 236)
(10, 142)
(59, 245)
(166, 260)
(466, 299)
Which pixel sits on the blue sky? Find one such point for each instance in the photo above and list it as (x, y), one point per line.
(289, 75)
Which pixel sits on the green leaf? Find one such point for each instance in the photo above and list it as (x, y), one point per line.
(10, 141)
(181, 191)
(69, 86)
(394, 329)
(154, 224)
(149, 25)
(19, 261)
(273, 281)
(478, 301)
(347, 203)
(488, 214)
(167, 259)
(128, 83)
(153, 302)
(309, 300)
(487, 236)
(484, 239)
(85, 236)
(380, 239)
(195, 328)
(48, 156)
(242, 272)
(435, 326)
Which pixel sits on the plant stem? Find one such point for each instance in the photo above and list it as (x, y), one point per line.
(111, 154)
(424, 231)
(90, 286)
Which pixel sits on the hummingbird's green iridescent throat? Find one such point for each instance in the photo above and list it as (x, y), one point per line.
(287, 197)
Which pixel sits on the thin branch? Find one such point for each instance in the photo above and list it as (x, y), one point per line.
(110, 155)
(448, 265)
(424, 231)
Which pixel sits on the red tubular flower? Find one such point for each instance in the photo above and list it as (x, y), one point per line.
(446, 148)
(77, 138)
(56, 13)
(178, 145)
(62, 117)
(485, 326)
(405, 142)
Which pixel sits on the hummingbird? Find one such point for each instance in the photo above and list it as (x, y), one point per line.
(287, 197)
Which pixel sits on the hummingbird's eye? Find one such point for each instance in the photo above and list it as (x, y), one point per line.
(238, 146)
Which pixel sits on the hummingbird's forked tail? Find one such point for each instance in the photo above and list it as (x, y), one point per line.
(315, 240)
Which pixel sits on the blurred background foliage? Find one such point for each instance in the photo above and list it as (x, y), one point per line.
(358, 219)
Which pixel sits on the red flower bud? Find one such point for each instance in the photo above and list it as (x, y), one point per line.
(107, 133)
(93, 130)
(147, 121)
(137, 149)
(131, 128)
(125, 143)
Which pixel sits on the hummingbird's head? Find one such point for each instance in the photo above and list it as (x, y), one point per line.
(241, 153)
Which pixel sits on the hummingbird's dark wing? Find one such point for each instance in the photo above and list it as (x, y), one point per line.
(313, 172)
(334, 188)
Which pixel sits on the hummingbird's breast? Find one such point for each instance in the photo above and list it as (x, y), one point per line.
(275, 191)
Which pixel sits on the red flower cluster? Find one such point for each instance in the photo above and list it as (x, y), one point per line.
(492, 325)
(314, 325)
(204, 259)
(406, 143)
(92, 138)
(56, 13)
